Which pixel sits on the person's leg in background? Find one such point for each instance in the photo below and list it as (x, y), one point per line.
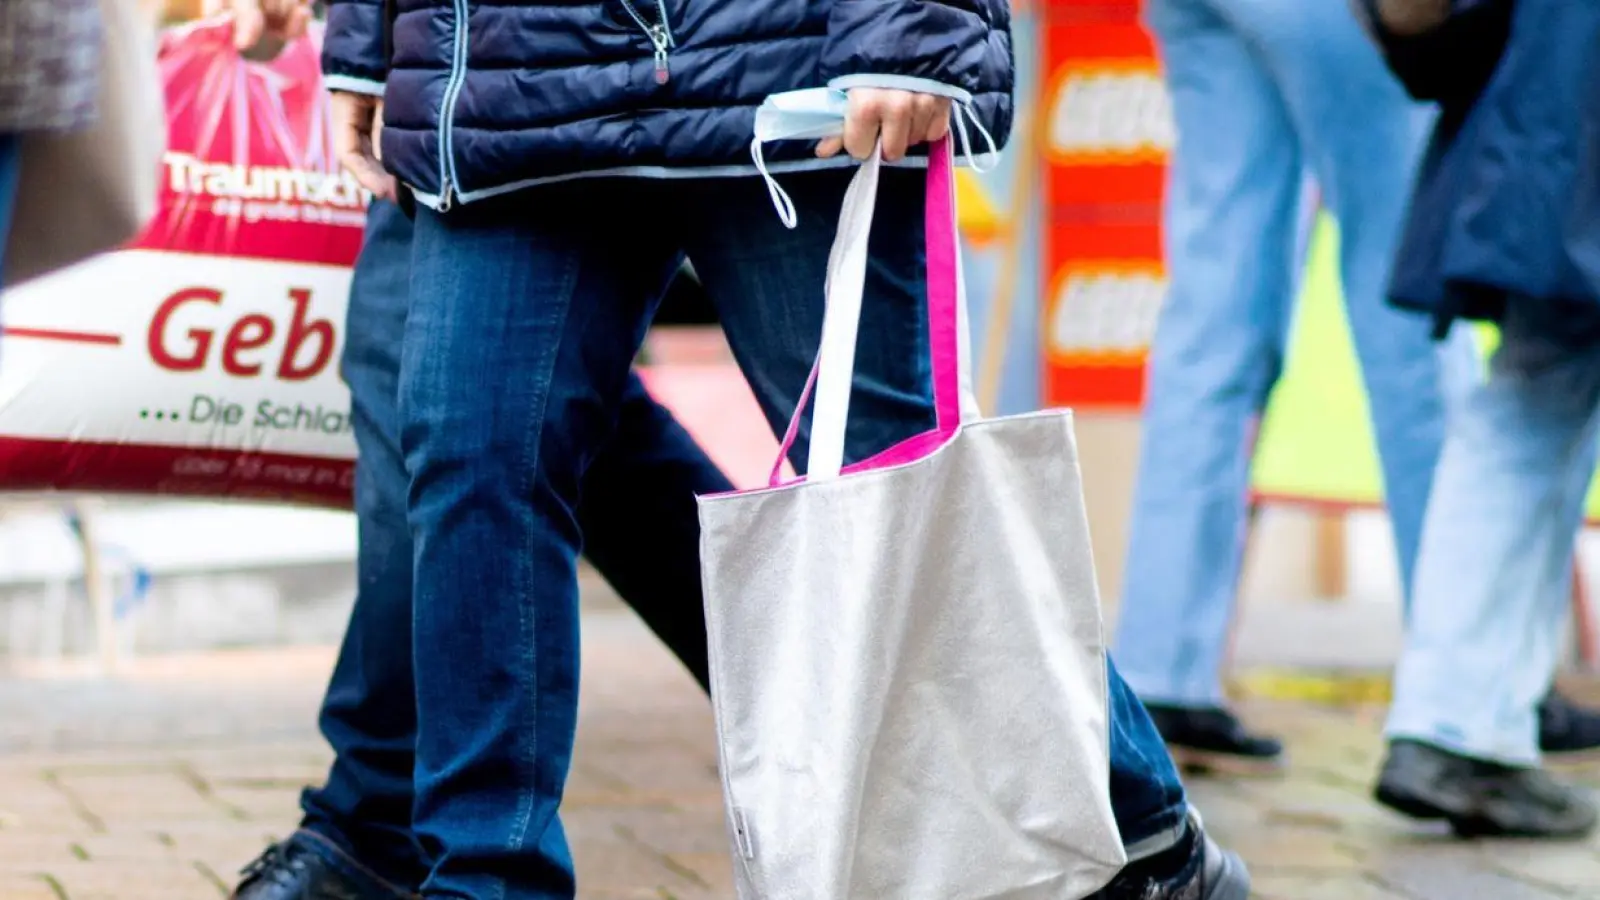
(1570, 733)
(767, 284)
(641, 526)
(1233, 197)
(1363, 142)
(641, 532)
(1496, 551)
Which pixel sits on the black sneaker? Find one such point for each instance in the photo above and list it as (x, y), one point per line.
(1568, 733)
(1480, 798)
(1196, 869)
(1213, 740)
(308, 867)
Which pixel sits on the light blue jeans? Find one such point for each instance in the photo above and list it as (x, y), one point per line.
(1490, 601)
(1263, 91)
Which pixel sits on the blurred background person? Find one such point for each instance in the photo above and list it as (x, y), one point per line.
(50, 53)
(1262, 92)
(1504, 227)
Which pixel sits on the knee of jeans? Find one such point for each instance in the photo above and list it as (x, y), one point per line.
(1230, 374)
(452, 456)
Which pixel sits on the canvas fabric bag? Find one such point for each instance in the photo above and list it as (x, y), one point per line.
(907, 656)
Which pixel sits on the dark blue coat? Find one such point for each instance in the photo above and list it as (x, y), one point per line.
(484, 98)
(1507, 203)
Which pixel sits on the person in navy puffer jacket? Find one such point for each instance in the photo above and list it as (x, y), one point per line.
(562, 159)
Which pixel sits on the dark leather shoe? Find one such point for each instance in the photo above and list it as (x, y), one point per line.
(1479, 798)
(1203, 871)
(307, 867)
(1567, 731)
(1214, 740)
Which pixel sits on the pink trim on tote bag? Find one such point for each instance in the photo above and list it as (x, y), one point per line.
(944, 339)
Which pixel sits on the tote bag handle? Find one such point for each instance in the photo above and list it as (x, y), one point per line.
(950, 347)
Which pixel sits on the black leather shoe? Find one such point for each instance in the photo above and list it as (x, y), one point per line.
(1568, 733)
(1213, 740)
(1479, 798)
(1197, 869)
(307, 867)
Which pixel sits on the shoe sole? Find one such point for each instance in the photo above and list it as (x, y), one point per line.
(1409, 805)
(1209, 762)
(1463, 825)
(1233, 882)
(1468, 829)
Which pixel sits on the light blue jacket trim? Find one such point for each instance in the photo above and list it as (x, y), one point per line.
(346, 84)
(902, 83)
(434, 201)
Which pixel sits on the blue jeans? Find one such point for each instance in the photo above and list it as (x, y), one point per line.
(638, 519)
(1494, 575)
(523, 323)
(1263, 91)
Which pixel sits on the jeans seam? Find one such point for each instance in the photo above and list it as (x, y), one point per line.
(528, 482)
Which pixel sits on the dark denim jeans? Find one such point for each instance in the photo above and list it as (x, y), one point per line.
(638, 519)
(525, 317)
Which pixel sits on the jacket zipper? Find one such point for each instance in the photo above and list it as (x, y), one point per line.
(659, 33)
(447, 112)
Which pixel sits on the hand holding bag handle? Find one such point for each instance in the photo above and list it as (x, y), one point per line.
(89, 191)
(948, 342)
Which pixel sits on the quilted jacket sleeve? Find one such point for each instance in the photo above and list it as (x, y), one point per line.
(355, 54)
(933, 46)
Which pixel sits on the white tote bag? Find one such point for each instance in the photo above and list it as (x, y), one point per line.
(906, 655)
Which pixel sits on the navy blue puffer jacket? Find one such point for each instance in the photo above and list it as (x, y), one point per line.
(482, 98)
(1507, 202)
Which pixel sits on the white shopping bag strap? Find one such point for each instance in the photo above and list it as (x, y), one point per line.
(836, 358)
(948, 340)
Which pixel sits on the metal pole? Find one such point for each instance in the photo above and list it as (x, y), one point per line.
(96, 587)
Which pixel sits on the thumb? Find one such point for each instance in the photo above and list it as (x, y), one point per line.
(248, 26)
(299, 22)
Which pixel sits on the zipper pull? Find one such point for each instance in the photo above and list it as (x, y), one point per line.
(445, 197)
(662, 39)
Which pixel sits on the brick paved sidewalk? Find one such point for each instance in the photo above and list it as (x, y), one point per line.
(160, 785)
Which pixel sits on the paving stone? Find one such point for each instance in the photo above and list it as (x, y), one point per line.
(175, 817)
(175, 880)
(1574, 867)
(1272, 886)
(1448, 871)
(139, 795)
(26, 887)
(1293, 849)
(610, 862)
(25, 853)
(715, 869)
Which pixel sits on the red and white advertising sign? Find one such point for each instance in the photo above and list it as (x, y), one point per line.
(203, 359)
(1108, 134)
